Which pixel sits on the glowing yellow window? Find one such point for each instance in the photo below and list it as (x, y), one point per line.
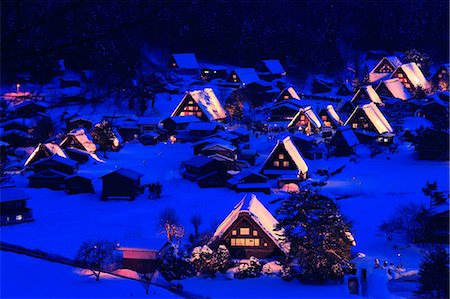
(234, 232)
(255, 232)
(285, 163)
(276, 163)
(281, 156)
(244, 231)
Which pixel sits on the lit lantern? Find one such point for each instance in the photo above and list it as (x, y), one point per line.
(172, 139)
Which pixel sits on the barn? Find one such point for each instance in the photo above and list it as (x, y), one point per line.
(123, 183)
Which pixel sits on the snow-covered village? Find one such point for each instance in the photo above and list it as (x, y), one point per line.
(229, 149)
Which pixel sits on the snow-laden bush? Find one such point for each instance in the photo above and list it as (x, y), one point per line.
(249, 268)
(174, 265)
(272, 268)
(287, 273)
(207, 262)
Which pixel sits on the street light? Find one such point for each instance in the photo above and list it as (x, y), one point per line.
(17, 88)
(400, 257)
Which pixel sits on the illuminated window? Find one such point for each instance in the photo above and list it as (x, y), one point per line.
(324, 117)
(199, 114)
(276, 163)
(234, 232)
(256, 242)
(234, 76)
(233, 242)
(190, 108)
(407, 85)
(366, 126)
(354, 125)
(285, 163)
(206, 72)
(265, 244)
(240, 242)
(286, 97)
(249, 242)
(244, 231)
(281, 156)
(182, 113)
(255, 232)
(174, 64)
(440, 76)
(400, 75)
(444, 71)
(191, 103)
(19, 217)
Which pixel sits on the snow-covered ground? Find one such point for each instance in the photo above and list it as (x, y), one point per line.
(26, 277)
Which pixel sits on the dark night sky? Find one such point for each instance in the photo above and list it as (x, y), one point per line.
(318, 35)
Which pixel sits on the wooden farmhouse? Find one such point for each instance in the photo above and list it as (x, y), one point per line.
(78, 183)
(370, 125)
(202, 129)
(79, 139)
(284, 110)
(219, 148)
(307, 121)
(285, 160)
(345, 89)
(20, 124)
(56, 162)
(184, 63)
(392, 89)
(287, 94)
(201, 103)
(13, 206)
(242, 134)
(435, 110)
(174, 124)
(44, 150)
(48, 178)
(213, 72)
(270, 69)
(384, 68)
(123, 183)
(308, 146)
(411, 77)
(250, 230)
(199, 145)
(243, 76)
(205, 171)
(344, 142)
(366, 94)
(440, 79)
(16, 138)
(29, 109)
(78, 122)
(330, 118)
(249, 181)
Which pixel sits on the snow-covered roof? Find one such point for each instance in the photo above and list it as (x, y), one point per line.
(240, 131)
(250, 204)
(84, 139)
(393, 60)
(334, 116)
(58, 159)
(370, 92)
(29, 103)
(226, 146)
(415, 75)
(310, 114)
(292, 151)
(18, 133)
(292, 103)
(186, 60)
(208, 103)
(243, 174)
(375, 116)
(349, 136)
(12, 194)
(292, 93)
(50, 148)
(26, 122)
(198, 161)
(247, 75)
(274, 66)
(202, 126)
(184, 119)
(126, 172)
(397, 89)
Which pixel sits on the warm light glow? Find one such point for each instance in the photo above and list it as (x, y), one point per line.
(173, 139)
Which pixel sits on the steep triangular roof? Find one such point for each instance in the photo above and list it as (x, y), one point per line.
(247, 75)
(415, 75)
(47, 150)
(207, 101)
(57, 159)
(334, 116)
(375, 116)
(347, 135)
(186, 60)
(126, 172)
(369, 92)
(251, 205)
(83, 139)
(396, 88)
(290, 91)
(393, 61)
(292, 151)
(310, 114)
(273, 66)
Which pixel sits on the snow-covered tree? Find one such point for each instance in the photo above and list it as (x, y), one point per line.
(96, 256)
(169, 221)
(249, 269)
(207, 261)
(422, 60)
(434, 274)
(319, 235)
(173, 265)
(104, 136)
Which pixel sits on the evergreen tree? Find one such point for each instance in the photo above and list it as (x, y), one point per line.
(173, 265)
(436, 197)
(104, 135)
(434, 274)
(319, 235)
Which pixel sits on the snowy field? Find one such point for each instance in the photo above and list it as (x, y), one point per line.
(371, 188)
